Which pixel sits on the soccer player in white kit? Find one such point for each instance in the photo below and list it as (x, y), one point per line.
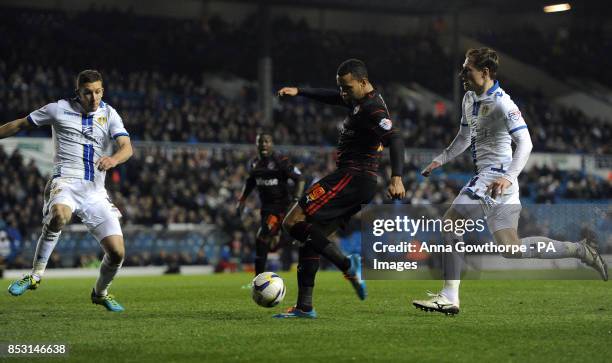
(489, 122)
(83, 130)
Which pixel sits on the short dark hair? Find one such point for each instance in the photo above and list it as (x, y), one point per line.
(355, 67)
(484, 57)
(264, 133)
(88, 76)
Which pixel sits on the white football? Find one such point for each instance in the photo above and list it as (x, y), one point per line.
(268, 289)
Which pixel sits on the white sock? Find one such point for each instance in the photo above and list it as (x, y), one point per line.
(108, 271)
(453, 262)
(451, 290)
(46, 243)
(561, 249)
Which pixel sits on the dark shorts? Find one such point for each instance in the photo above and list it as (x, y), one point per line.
(338, 196)
(271, 222)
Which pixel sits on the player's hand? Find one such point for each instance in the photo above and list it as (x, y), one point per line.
(498, 186)
(106, 162)
(287, 91)
(427, 171)
(396, 188)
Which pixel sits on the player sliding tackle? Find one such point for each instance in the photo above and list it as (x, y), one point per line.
(334, 199)
(83, 129)
(489, 122)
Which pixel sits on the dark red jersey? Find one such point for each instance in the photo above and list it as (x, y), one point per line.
(365, 131)
(270, 175)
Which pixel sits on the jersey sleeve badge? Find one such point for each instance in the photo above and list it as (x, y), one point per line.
(514, 115)
(385, 124)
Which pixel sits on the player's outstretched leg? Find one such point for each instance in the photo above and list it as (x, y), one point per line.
(353, 275)
(60, 215)
(583, 250)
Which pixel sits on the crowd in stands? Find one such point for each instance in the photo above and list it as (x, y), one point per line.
(547, 185)
(211, 43)
(578, 51)
(178, 108)
(165, 97)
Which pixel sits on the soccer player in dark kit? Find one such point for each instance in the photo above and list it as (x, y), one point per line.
(329, 203)
(269, 173)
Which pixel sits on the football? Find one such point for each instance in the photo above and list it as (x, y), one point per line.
(268, 289)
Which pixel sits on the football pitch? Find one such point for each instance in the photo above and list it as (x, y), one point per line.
(210, 318)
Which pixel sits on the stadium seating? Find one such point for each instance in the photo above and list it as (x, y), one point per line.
(167, 99)
(581, 48)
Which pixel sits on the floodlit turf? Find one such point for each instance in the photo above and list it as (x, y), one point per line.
(210, 318)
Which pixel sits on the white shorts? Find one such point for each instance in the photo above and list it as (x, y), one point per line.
(501, 213)
(88, 201)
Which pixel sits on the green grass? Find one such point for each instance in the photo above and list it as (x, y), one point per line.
(210, 318)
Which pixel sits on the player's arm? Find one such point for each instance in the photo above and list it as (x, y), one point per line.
(523, 143)
(382, 125)
(11, 128)
(123, 153)
(396, 154)
(299, 189)
(456, 147)
(122, 137)
(522, 139)
(295, 174)
(249, 185)
(324, 95)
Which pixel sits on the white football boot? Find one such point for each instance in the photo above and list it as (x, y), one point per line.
(593, 258)
(437, 302)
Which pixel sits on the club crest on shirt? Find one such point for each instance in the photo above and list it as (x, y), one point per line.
(271, 165)
(484, 110)
(55, 191)
(356, 109)
(101, 120)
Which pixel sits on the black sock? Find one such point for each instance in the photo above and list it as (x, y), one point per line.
(287, 253)
(333, 253)
(300, 231)
(307, 270)
(304, 299)
(312, 235)
(261, 255)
